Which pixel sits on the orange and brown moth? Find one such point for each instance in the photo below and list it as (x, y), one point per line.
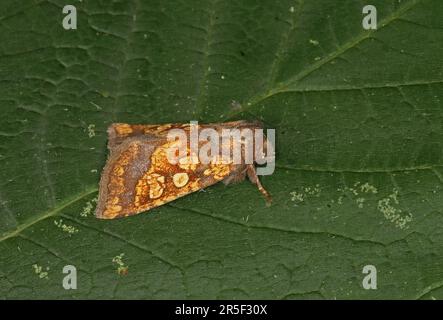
(139, 176)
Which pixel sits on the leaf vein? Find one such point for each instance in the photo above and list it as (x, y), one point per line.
(46, 215)
(275, 228)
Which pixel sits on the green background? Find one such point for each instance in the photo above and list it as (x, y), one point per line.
(359, 124)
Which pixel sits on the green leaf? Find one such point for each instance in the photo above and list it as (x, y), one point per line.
(359, 121)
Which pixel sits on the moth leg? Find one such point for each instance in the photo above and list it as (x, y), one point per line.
(252, 175)
(236, 176)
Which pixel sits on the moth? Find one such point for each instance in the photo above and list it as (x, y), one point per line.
(139, 174)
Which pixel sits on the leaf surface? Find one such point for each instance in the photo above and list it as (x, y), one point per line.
(359, 122)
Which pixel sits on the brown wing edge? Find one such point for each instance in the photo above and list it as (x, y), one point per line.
(104, 178)
(114, 154)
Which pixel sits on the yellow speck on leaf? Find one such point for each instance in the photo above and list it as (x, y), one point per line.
(91, 130)
(88, 208)
(389, 207)
(313, 42)
(360, 202)
(42, 273)
(122, 268)
(367, 188)
(357, 189)
(300, 196)
(295, 196)
(65, 227)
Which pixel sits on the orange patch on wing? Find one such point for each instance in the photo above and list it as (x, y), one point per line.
(163, 181)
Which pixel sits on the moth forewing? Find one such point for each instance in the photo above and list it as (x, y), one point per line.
(210, 145)
(178, 149)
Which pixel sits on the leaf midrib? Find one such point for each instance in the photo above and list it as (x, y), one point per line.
(47, 214)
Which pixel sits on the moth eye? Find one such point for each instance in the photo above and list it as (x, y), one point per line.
(180, 179)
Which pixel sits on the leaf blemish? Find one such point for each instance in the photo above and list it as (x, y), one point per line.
(300, 196)
(89, 207)
(313, 42)
(42, 273)
(91, 130)
(389, 207)
(122, 268)
(367, 188)
(360, 202)
(65, 228)
(357, 189)
(236, 106)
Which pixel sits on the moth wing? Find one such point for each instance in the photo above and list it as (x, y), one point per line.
(138, 176)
